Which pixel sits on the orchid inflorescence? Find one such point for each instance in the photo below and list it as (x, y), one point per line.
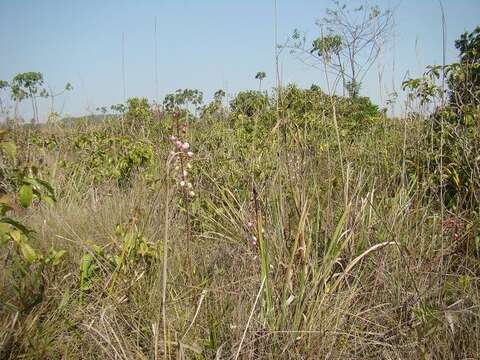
(250, 228)
(181, 157)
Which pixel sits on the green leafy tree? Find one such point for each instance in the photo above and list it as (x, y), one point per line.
(183, 99)
(464, 76)
(249, 103)
(219, 95)
(138, 109)
(216, 106)
(119, 108)
(260, 76)
(449, 161)
(103, 110)
(28, 85)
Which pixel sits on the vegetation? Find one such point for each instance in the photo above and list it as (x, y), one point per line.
(349, 43)
(218, 231)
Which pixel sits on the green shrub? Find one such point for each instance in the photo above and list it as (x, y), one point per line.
(107, 157)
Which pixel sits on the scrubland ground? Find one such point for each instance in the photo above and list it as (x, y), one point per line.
(303, 240)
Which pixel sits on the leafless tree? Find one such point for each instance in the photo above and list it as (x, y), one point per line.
(350, 42)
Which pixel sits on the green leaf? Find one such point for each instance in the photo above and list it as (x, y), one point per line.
(4, 208)
(9, 148)
(87, 269)
(48, 200)
(39, 184)
(26, 195)
(4, 232)
(16, 224)
(27, 251)
(4, 228)
(54, 257)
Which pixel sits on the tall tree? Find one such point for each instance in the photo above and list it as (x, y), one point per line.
(349, 43)
(260, 76)
(28, 85)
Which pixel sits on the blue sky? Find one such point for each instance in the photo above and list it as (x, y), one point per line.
(207, 44)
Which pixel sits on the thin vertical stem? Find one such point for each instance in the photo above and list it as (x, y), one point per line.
(123, 68)
(442, 205)
(264, 260)
(184, 179)
(277, 77)
(164, 272)
(156, 63)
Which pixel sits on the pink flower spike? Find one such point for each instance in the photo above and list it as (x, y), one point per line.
(179, 144)
(185, 146)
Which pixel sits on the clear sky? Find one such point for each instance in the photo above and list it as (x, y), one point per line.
(208, 44)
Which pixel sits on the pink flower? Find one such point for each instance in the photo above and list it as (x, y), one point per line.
(173, 138)
(190, 153)
(185, 146)
(178, 144)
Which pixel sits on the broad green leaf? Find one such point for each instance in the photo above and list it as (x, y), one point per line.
(48, 200)
(4, 207)
(58, 257)
(85, 263)
(87, 269)
(16, 236)
(25, 195)
(27, 251)
(4, 228)
(16, 224)
(39, 184)
(4, 232)
(9, 148)
(54, 257)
